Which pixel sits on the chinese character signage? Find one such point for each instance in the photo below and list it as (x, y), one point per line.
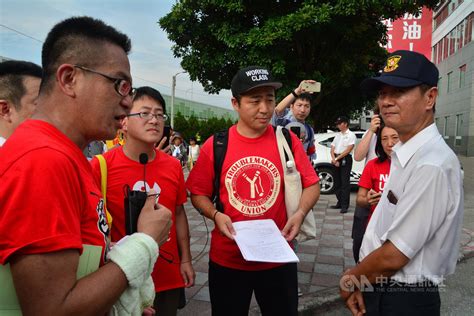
(410, 32)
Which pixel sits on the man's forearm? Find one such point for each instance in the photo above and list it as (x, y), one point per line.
(309, 197)
(363, 147)
(385, 261)
(286, 102)
(204, 205)
(345, 152)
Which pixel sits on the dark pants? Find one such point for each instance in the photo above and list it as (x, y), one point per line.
(276, 290)
(343, 181)
(166, 302)
(403, 300)
(361, 216)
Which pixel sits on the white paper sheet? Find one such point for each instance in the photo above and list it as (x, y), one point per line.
(261, 240)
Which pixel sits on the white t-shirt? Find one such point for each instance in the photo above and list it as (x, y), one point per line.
(194, 152)
(424, 214)
(2, 141)
(342, 141)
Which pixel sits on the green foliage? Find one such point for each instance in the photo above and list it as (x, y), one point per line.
(333, 41)
(192, 127)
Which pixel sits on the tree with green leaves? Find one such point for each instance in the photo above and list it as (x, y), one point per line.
(336, 42)
(192, 127)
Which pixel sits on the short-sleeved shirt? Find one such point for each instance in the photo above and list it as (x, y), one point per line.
(251, 187)
(49, 200)
(163, 174)
(342, 141)
(374, 176)
(421, 208)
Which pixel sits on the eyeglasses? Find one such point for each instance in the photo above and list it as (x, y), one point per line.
(148, 116)
(122, 86)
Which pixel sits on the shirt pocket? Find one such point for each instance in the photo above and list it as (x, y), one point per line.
(385, 218)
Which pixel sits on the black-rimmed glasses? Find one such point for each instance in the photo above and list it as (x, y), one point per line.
(148, 116)
(122, 86)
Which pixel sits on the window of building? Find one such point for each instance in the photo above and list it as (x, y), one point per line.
(468, 30)
(452, 42)
(445, 127)
(450, 82)
(440, 51)
(445, 47)
(460, 28)
(462, 76)
(458, 137)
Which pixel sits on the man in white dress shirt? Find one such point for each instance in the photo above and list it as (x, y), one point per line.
(19, 86)
(341, 158)
(412, 240)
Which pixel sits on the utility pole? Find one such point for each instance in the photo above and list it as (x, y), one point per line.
(173, 88)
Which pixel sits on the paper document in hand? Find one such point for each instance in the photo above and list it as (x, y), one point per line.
(261, 240)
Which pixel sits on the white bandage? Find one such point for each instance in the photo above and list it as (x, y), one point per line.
(136, 256)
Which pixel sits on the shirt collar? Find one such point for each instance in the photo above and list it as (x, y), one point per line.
(2, 140)
(404, 151)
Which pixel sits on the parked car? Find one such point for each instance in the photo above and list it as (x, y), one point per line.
(322, 163)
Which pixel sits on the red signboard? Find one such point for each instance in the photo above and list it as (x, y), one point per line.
(410, 33)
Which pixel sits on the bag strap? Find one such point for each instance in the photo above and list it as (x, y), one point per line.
(283, 146)
(220, 143)
(103, 185)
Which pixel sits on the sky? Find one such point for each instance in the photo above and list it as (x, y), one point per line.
(24, 25)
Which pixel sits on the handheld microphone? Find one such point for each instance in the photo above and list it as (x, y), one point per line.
(134, 200)
(143, 158)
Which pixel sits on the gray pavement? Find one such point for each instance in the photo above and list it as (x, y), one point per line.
(321, 260)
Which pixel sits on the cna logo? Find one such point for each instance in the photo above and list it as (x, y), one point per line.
(138, 186)
(253, 184)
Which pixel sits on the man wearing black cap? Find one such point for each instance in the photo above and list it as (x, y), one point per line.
(251, 188)
(412, 240)
(341, 158)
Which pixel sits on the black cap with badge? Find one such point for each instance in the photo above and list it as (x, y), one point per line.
(252, 77)
(404, 69)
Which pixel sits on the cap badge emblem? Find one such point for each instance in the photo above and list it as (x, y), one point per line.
(392, 63)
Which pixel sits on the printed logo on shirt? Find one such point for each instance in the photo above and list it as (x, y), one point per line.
(253, 184)
(382, 181)
(102, 225)
(138, 186)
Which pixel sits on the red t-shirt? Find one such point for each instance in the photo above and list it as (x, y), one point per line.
(48, 198)
(374, 176)
(251, 187)
(165, 175)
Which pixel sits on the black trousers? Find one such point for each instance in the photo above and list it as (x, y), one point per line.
(343, 181)
(361, 216)
(403, 300)
(276, 290)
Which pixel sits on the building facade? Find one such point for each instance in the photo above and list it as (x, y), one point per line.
(453, 53)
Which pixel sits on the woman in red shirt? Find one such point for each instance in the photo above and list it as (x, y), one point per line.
(376, 171)
(372, 181)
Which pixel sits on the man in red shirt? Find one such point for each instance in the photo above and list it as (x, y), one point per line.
(143, 128)
(19, 86)
(252, 188)
(50, 206)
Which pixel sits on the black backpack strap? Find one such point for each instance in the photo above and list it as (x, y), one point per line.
(287, 135)
(220, 142)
